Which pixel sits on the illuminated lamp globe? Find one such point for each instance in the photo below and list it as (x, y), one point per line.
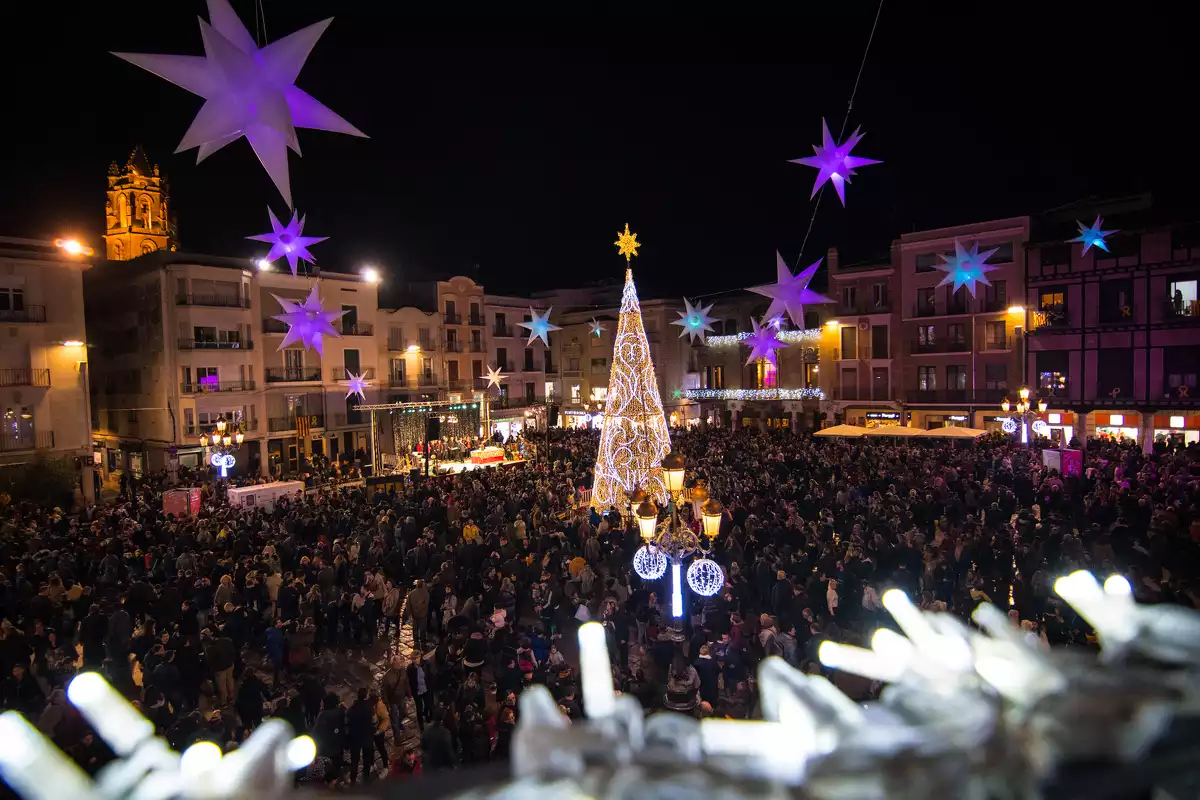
(674, 468)
(1005, 405)
(239, 438)
(221, 424)
(649, 563)
(698, 495)
(203, 440)
(636, 498)
(227, 440)
(706, 577)
(710, 514)
(1024, 392)
(1042, 406)
(647, 518)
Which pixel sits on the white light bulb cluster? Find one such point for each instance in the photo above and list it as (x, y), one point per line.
(705, 577)
(649, 563)
(789, 336)
(754, 394)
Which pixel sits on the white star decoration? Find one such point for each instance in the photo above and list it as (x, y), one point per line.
(597, 328)
(790, 292)
(356, 384)
(764, 341)
(248, 91)
(694, 320)
(494, 377)
(966, 267)
(539, 327)
(307, 322)
(1092, 236)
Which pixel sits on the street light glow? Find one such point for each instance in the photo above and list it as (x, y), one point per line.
(370, 274)
(73, 247)
(72, 343)
(263, 265)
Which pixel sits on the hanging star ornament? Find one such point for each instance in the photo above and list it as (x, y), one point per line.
(248, 91)
(1092, 236)
(694, 320)
(356, 384)
(597, 328)
(308, 322)
(627, 243)
(834, 162)
(539, 327)
(966, 267)
(286, 241)
(763, 342)
(494, 377)
(790, 292)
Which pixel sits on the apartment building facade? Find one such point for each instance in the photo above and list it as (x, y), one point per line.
(44, 364)
(962, 354)
(1114, 336)
(408, 340)
(463, 345)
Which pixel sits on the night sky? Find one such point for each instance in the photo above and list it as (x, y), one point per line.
(521, 142)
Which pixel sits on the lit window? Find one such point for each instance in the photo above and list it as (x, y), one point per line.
(1055, 419)
(1178, 422)
(575, 391)
(1116, 419)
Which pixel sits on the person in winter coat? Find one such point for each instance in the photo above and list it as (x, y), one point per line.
(391, 608)
(330, 731)
(360, 736)
(382, 723)
(394, 692)
(708, 670)
(252, 692)
(277, 648)
(418, 609)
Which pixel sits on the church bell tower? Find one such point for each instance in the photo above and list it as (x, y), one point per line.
(136, 220)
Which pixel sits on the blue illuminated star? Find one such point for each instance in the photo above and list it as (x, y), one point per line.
(539, 327)
(356, 385)
(966, 267)
(694, 320)
(1092, 236)
(834, 162)
(597, 328)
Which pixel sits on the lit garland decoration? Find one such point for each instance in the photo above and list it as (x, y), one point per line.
(539, 327)
(1040, 427)
(635, 437)
(649, 563)
(288, 241)
(834, 162)
(356, 385)
(753, 394)
(790, 292)
(694, 320)
(966, 267)
(705, 576)
(308, 322)
(1092, 236)
(811, 335)
(223, 462)
(1009, 425)
(248, 91)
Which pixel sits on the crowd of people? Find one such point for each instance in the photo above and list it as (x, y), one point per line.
(212, 623)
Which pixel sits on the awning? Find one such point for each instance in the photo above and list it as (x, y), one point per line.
(894, 430)
(841, 430)
(952, 432)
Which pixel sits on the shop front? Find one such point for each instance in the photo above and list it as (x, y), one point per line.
(583, 419)
(1118, 425)
(931, 421)
(991, 422)
(880, 419)
(1177, 428)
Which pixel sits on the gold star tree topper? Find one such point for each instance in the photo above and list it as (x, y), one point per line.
(627, 243)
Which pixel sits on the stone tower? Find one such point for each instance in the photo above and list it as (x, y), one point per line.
(136, 219)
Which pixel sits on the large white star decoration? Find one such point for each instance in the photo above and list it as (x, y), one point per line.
(494, 377)
(966, 267)
(763, 342)
(694, 320)
(307, 322)
(287, 242)
(539, 327)
(1092, 236)
(248, 91)
(834, 162)
(355, 385)
(597, 328)
(790, 292)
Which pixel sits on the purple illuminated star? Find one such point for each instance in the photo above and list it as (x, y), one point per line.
(694, 320)
(763, 342)
(308, 322)
(834, 162)
(356, 385)
(790, 292)
(539, 327)
(248, 91)
(286, 241)
(966, 267)
(1092, 236)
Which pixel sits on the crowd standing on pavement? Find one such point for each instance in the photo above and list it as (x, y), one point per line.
(399, 628)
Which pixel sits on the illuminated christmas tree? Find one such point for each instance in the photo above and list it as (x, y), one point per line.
(635, 436)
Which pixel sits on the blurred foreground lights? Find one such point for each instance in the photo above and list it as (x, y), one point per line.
(73, 247)
(87, 689)
(198, 760)
(1117, 586)
(72, 343)
(300, 752)
(370, 275)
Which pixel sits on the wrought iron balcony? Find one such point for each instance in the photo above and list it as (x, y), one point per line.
(293, 374)
(30, 440)
(24, 377)
(213, 344)
(26, 314)
(214, 300)
(206, 386)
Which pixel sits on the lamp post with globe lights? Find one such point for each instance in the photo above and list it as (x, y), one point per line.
(669, 542)
(222, 443)
(1022, 414)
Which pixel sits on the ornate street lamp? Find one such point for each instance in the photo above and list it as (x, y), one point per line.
(670, 542)
(223, 442)
(1022, 415)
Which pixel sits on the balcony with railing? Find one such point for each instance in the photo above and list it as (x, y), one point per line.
(247, 425)
(398, 379)
(358, 329)
(532, 366)
(346, 419)
(503, 331)
(274, 326)
(999, 343)
(1050, 317)
(427, 379)
(454, 346)
(212, 386)
(283, 424)
(293, 374)
(26, 314)
(27, 440)
(458, 384)
(397, 344)
(862, 394)
(925, 310)
(475, 347)
(990, 305)
(939, 346)
(452, 319)
(339, 373)
(476, 320)
(213, 300)
(213, 344)
(24, 377)
(1181, 310)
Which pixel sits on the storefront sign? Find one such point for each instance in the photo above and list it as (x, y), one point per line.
(957, 417)
(883, 415)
